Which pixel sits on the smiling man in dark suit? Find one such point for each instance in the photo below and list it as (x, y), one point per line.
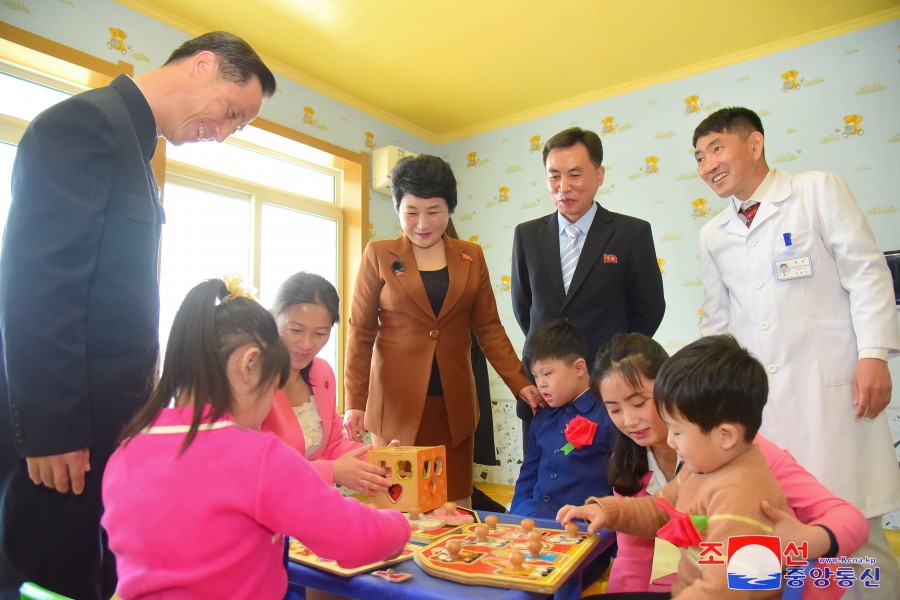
(594, 268)
(79, 298)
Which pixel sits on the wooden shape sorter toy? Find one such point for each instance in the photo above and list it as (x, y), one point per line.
(417, 476)
(519, 557)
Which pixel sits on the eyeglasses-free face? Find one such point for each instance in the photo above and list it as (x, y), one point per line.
(423, 220)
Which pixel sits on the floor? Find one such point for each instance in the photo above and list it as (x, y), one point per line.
(503, 494)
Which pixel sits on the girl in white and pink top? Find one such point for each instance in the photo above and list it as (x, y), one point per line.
(197, 499)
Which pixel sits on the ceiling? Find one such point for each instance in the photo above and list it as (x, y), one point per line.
(446, 70)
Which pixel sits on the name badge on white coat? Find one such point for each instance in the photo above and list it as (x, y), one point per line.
(790, 264)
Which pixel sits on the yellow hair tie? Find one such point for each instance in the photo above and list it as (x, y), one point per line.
(238, 289)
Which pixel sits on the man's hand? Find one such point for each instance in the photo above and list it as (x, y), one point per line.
(592, 513)
(532, 397)
(871, 387)
(60, 472)
(354, 424)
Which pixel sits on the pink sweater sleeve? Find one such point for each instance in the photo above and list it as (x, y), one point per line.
(633, 564)
(292, 499)
(812, 502)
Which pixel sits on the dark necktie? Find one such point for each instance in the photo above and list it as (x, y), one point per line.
(750, 212)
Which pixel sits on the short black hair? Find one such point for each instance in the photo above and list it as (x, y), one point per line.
(576, 135)
(424, 176)
(557, 339)
(735, 119)
(712, 381)
(238, 62)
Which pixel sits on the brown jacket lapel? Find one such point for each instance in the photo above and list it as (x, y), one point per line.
(411, 280)
(458, 265)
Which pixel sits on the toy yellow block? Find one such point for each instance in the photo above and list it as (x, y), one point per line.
(417, 475)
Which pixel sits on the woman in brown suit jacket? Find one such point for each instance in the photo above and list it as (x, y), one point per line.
(408, 373)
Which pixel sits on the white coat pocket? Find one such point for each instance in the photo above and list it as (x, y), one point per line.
(835, 344)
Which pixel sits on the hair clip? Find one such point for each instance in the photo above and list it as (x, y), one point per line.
(238, 289)
(398, 267)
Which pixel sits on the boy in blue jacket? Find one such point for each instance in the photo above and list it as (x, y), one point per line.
(569, 442)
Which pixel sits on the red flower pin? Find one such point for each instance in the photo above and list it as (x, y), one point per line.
(579, 433)
(682, 529)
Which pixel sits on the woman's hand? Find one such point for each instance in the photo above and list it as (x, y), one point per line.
(354, 424)
(532, 397)
(788, 528)
(353, 471)
(591, 513)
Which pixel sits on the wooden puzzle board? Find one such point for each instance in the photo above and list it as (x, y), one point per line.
(486, 563)
(299, 553)
(426, 537)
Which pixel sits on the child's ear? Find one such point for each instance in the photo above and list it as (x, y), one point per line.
(580, 366)
(729, 436)
(249, 362)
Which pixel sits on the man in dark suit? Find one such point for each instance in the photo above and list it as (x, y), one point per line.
(594, 268)
(79, 298)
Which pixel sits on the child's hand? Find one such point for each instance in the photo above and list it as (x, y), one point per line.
(353, 471)
(590, 513)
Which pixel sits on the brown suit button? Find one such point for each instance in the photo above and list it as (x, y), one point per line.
(434, 334)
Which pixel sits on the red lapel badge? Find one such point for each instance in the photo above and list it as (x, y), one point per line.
(610, 258)
(465, 256)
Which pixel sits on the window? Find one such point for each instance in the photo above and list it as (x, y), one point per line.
(239, 207)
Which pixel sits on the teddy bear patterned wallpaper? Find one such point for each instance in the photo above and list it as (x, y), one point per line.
(829, 105)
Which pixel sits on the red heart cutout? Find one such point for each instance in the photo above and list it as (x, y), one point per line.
(394, 492)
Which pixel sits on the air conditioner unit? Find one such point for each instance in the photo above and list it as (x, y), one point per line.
(383, 160)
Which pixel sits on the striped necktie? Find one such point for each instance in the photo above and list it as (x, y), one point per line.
(570, 254)
(750, 212)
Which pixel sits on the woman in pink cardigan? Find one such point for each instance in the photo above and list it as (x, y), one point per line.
(304, 412)
(642, 462)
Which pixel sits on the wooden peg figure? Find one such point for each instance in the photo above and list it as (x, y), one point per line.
(527, 524)
(481, 533)
(516, 560)
(572, 529)
(534, 548)
(453, 548)
(491, 522)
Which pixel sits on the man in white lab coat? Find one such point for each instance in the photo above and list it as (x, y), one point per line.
(824, 327)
